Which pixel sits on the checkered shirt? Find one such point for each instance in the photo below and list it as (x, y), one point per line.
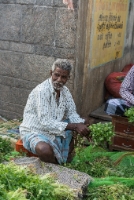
(127, 87)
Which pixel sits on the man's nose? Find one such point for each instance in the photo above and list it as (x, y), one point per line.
(59, 79)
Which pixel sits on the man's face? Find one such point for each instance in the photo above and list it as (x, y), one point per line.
(59, 78)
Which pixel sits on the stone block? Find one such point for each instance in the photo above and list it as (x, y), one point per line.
(65, 32)
(54, 51)
(7, 81)
(45, 2)
(77, 181)
(19, 96)
(10, 22)
(54, 3)
(26, 1)
(38, 24)
(7, 106)
(59, 3)
(44, 50)
(22, 47)
(13, 95)
(4, 45)
(67, 53)
(10, 64)
(5, 93)
(10, 115)
(19, 83)
(11, 107)
(36, 68)
(18, 109)
(7, 1)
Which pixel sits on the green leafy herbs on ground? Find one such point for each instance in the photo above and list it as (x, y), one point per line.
(110, 192)
(111, 188)
(99, 162)
(100, 136)
(6, 150)
(129, 113)
(110, 170)
(87, 161)
(16, 180)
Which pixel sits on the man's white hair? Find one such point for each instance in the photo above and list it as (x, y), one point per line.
(62, 64)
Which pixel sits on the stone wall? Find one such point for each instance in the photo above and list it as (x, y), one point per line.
(33, 33)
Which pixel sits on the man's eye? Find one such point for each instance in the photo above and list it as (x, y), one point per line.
(57, 75)
(64, 77)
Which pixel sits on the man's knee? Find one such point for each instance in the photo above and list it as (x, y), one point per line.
(45, 152)
(42, 149)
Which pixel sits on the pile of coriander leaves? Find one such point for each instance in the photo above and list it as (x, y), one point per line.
(19, 183)
(112, 172)
(129, 113)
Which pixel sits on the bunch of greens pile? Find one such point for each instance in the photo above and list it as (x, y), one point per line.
(101, 133)
(129, 113)
(6, 150)
(17, 183)
(112, 172)
(100, 136)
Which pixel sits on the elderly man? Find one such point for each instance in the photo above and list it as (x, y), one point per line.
(118, 106)
(50, 117)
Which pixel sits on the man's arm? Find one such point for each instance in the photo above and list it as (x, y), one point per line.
(77, 123)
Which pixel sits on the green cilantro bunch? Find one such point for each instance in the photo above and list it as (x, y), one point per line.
(129, 113)
(101, 133)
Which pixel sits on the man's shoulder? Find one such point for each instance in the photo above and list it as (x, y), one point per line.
(66, 90)
(41, 87)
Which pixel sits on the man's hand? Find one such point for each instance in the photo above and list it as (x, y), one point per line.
(69, 3)
(82, 129)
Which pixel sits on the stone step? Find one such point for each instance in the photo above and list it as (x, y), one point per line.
(76, 180)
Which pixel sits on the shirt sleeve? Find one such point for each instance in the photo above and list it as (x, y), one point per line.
(127, 87)
(72, 114)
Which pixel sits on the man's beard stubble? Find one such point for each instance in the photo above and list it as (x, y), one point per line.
(57, 86)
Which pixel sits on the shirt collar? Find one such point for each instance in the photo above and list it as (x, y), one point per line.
(51, 85)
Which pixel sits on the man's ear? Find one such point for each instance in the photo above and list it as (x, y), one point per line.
(51, 72)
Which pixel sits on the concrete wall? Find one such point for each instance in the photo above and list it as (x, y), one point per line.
(33, 33)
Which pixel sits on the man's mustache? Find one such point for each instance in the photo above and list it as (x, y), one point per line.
(57, 83)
